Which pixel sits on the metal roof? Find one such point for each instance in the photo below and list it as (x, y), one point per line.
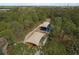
(45, 24)
(35, 38)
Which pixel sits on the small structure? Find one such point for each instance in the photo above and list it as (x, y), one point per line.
(38, 36)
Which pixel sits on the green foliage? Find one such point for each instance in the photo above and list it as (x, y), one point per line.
(21, 49)
(18, 21)
(54, 47)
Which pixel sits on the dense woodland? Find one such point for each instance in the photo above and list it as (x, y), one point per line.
(63, 38)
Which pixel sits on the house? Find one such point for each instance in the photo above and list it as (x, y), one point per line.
(37, 37)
